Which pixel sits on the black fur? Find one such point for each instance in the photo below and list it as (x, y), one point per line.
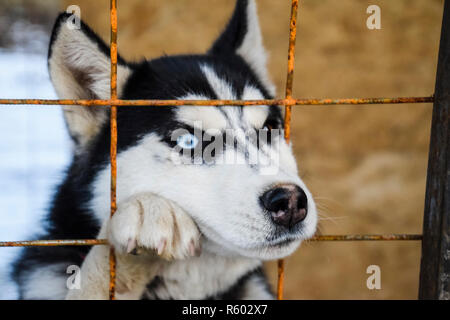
(62, 18)
(234, 33)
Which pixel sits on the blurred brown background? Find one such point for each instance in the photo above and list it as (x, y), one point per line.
(366, 165)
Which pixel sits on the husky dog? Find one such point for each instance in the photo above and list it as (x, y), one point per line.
(183, 229)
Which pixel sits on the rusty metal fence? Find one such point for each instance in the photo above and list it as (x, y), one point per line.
(435, 262)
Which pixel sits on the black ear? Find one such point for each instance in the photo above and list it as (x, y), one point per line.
(242, 36)
(233, 36)
(79, 67)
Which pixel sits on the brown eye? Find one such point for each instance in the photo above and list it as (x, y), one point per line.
(268, 126)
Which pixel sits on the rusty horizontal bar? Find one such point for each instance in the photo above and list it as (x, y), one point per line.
(54, 243)
(93, 242)
(368, 237)
(163, 103)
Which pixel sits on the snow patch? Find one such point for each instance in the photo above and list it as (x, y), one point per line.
(34, 151)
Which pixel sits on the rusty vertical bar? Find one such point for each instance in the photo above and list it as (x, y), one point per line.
(435, 261)
(287, 116)
(113, 151)
(280, 285)
(290, 72)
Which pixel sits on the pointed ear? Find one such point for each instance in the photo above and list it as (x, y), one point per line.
(242, 36)
(79, 67)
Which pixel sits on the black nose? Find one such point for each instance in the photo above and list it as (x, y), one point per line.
(287, 204)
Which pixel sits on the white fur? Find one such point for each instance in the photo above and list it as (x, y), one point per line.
(151, 222)
(201, 277)
(223, 91)
(255, 115)
(75, 58)
(214, 272)
(209, 117)
(221, 199)
(132, 273)
(45, 283)
(255, 289)
(213, 118)
(224, 206)
(74, 51)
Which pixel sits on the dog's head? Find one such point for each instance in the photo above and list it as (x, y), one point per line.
(228, 167)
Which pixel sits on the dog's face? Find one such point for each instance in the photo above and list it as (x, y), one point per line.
(228, 167)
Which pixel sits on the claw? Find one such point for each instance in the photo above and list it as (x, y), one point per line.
(161, 246)
(131, 246)
(198, 250)
(193, 250)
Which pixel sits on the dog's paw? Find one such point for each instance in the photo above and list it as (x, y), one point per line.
(147, 222)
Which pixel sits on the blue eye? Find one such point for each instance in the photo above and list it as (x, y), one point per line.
(187, 141)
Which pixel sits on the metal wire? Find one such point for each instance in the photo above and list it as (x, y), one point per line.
(326, 238)
(211, 103)
(54, 243)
